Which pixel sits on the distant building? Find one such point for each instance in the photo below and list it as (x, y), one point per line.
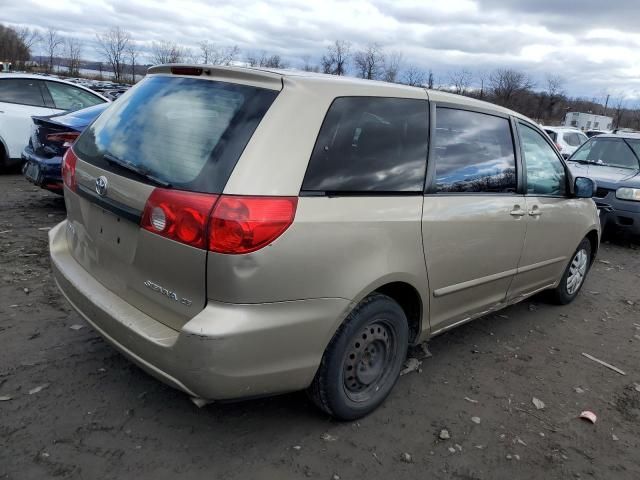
(588, 121)
(5, 66)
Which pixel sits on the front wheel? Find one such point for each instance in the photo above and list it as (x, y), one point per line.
(363, 360)
(574, 275)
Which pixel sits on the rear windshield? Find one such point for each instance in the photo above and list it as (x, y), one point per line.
(574, 139)
(186, 132)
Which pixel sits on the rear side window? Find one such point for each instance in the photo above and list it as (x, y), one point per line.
(187, 132)
(552, 135)
(473, 153)
(370, 144)
(67, 97)
(24, 91)
(574, 139)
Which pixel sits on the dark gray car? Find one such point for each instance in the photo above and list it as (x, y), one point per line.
(613, 161)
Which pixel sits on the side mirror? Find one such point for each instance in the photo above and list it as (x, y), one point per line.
(584, 187)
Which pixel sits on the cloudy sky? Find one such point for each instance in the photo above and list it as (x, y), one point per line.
(593, 44)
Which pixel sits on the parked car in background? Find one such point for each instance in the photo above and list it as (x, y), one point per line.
(613, 161)
(242, 232)
(50, 138)
(23, 96)
(566, 139)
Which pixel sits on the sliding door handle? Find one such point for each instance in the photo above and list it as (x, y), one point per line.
(517, 211)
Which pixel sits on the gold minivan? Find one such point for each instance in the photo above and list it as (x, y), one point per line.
(243, 232)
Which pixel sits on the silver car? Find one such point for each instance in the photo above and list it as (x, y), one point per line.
(243, 232)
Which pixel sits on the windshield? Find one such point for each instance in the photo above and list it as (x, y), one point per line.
(610, 152)
(187, 132)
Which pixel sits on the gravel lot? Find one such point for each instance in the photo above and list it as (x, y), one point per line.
(97, 416)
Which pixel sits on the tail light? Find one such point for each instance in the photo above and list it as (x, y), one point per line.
(180, 216)
(559, 146)
(246, 224)
(69, 169)
(223, 224)
(66, 138)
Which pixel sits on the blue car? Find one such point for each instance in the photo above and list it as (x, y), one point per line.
(50, 138)
(613, 161)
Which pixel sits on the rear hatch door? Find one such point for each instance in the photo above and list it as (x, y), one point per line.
(169, 132)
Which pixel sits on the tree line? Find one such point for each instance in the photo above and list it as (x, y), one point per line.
(545, 101)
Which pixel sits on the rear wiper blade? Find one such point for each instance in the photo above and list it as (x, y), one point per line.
(143, 172)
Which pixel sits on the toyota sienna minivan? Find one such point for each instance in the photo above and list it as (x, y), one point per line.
(242, 232)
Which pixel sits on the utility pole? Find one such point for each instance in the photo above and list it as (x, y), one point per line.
(605, 105)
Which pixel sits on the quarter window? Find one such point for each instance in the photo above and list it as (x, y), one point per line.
(23, 91)
(545, 171)
(370, 144)
(473, 153)
(67, 97)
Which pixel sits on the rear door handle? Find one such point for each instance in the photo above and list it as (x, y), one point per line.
(517, 211)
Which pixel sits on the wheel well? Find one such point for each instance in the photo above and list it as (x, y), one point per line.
(409, 299)
(592, 236)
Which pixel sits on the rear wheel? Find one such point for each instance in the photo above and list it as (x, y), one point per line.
(363, 360)
(574, 275)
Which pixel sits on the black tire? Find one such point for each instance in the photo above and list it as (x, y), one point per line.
(563, 293)
(371, 344)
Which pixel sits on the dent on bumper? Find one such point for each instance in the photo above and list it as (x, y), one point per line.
(226, 351)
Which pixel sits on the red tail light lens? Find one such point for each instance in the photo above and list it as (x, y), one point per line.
(559, 147)
(245, 224)
(66, 138)
(69, 169)
(180, 216)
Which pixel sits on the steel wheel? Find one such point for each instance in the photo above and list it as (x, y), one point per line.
(577, 271)
(368, 362)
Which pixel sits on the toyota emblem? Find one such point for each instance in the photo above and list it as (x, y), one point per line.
(101, 186)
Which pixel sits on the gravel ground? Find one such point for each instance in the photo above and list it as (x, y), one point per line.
(98, 416)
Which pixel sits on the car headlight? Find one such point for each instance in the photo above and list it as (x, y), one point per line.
(626, 193)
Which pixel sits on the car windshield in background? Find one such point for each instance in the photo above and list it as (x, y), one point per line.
(610, 152)
(186, 132)
(574, 139)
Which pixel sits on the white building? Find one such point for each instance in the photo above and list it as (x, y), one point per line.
(588, 121)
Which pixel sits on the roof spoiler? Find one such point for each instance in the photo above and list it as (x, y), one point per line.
(243, 75)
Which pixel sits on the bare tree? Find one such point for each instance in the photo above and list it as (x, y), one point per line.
(413, 76)
(336, 60)
(507, 83)
(264, 60)
(167, 52)
(211, 54)
(12, 48)
(53, 42)
(73, 50)
(133, 53)
(369, 62)
(430, 80)
(29, 38)
(307, 66)
(483, 85)
(555, 92)
(113, 45)
(391, 66)
(620, 110)
(460, 81)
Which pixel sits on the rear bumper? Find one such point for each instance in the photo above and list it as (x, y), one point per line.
(227, 351)
(47, 171)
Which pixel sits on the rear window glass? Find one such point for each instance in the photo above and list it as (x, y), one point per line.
(552, 135)
(574, 139)
(474, 153)
(187, 132)
(370, 144)
(610, 152)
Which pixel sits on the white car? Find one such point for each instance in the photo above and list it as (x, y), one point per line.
(566, 139)
(23, 96)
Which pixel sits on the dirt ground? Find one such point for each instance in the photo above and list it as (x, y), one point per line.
(97, 416)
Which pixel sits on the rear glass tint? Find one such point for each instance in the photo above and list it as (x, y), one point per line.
(187, 132)
(370, 144)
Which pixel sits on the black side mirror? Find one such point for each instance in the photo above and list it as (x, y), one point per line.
(584, 187)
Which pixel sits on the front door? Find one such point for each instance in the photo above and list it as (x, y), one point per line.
(554, 226)
(473, 221)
